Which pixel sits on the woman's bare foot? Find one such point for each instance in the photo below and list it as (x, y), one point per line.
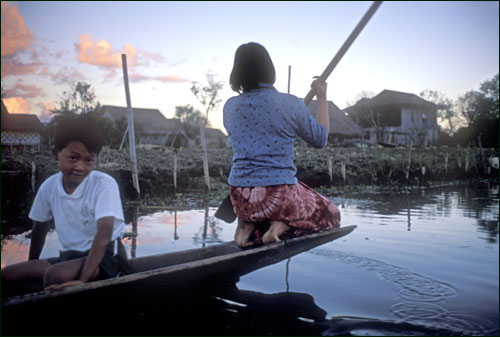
(275, 230)
(243, 233)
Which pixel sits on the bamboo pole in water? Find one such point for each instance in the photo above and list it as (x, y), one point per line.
(33, 171)
(330, 169)
(131, 133)
(175, 170)
(205, 156)
(446, 164)
(409, 160)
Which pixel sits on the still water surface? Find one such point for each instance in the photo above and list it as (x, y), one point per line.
(419, 263)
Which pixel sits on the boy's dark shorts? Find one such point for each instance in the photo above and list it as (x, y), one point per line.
(111, 265)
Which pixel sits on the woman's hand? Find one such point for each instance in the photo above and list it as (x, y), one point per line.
(320, 88)
(63, 285)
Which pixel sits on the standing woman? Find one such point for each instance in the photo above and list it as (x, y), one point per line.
(263, 124)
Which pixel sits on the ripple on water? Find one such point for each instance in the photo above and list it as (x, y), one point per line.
(412, 286)
(420, 295)
(435, 316)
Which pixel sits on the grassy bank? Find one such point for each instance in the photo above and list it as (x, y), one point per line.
(339, 167)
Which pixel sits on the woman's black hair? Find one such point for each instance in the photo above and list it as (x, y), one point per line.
(78, 129)
(252, 65)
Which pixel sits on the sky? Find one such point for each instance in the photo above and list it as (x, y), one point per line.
(47, 47)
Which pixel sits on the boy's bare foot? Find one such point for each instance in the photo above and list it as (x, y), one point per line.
(275, 230)
(243, 233)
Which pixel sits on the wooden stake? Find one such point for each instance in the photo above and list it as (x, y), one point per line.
(205, 156)
(33, 171)
(409, 160)
(131, 133)
(330, 169)
(175, 169)
(466, 161)
(446, 164)
(289, 77)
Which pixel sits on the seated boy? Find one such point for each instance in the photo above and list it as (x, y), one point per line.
(87, 212)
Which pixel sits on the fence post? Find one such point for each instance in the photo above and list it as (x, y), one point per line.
(175, 169)
(409, 161)
(330, 169)
(131, 134)
(205, 156)
(446, 165)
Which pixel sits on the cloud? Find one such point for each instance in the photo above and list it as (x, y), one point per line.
(25, 90)
(17, 105)
(146, 56)
(102, 54)
(15, 35)
(65, 75)
(16, 39)
(170, 79)
(11, 66)
(45, 111)
(136, 77)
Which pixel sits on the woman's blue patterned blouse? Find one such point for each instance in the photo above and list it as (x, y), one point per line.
(262, 126)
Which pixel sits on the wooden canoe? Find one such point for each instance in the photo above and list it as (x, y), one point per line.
(165, 274)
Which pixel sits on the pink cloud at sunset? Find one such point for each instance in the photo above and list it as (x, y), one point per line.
(24, 90)
(137, 77)
(10, 66)
(17, 105)
(64, 75)
(46, 109)
(15, 35)
(170, 79)
(102, 54)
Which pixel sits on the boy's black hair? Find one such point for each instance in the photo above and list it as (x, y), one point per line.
(78, 129)
(252, 65)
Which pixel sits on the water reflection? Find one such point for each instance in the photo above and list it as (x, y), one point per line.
(430, 262)
(476, 202)
(209, 232)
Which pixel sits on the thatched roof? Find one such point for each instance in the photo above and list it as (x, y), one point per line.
(20, 122)
(151, 121)
(214, 133)
(391, 97)
(340, 124)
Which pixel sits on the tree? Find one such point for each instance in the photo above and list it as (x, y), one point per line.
(365, 116)
(207, 95)
(81, 101)
(191, 118)
(447, 114)
(480, 109)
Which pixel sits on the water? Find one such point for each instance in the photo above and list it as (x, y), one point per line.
(423, 263)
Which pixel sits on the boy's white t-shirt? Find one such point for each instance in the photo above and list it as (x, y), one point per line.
(75, 215)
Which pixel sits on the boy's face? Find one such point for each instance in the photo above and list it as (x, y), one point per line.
(75, 163)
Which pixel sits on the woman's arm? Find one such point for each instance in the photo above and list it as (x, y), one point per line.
(38, 236)
(322, 113)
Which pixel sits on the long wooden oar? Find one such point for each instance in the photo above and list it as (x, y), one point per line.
(333, 63)
(225, 211)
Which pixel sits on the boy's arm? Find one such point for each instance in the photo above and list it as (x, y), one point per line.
(98, 248)
(38, 235)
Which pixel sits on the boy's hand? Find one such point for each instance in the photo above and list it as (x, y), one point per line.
(63, 285)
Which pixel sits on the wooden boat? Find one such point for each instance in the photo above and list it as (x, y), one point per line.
(166, 274)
